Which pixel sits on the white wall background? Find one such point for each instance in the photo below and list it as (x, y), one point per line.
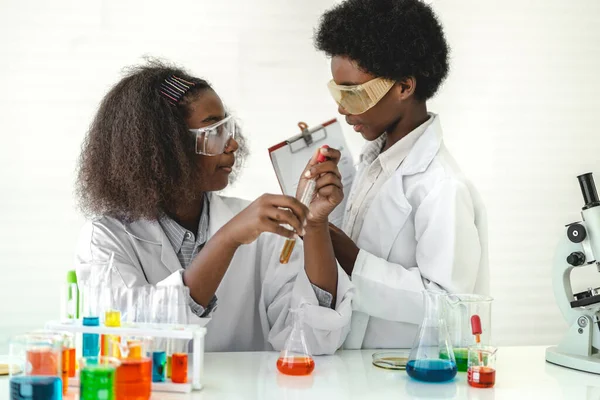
(518, 111)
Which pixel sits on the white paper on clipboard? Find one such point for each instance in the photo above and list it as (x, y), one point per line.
(290, 157)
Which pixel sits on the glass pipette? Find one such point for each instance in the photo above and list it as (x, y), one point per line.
(476, 329)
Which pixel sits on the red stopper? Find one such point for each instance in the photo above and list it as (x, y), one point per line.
(321, 157)
(476, 324)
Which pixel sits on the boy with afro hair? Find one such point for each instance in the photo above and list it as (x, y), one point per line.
(413, 221)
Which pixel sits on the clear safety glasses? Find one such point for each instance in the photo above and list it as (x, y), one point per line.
(357, 99)
(213, 140)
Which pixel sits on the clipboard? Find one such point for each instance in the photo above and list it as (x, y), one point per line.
(289, 158)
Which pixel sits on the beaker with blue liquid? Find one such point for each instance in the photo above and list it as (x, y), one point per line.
(431, 358)
(36, 367)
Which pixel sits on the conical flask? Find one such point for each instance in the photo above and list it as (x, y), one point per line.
(295, 359)
(431, 358)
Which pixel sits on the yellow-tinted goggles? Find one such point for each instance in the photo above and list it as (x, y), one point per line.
(359, 98)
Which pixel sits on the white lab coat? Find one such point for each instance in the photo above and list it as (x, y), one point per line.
(254, 297)
(426, 228)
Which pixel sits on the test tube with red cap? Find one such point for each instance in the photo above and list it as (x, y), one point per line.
(306, 199)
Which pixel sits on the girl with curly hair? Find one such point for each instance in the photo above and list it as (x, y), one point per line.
(159, 149)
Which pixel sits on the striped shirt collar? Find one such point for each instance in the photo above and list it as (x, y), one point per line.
(176, 233)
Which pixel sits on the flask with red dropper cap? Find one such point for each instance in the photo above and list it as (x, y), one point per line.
(306, 199)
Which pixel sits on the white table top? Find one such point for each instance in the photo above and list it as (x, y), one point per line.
(522, 373)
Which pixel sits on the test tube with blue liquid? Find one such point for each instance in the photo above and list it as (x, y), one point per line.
(160, 300)
(36, 367)
(91, 317)
(98, 275)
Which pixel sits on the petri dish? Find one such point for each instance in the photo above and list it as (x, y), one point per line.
(394, 360)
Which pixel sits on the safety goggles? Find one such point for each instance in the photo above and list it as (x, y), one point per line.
(213, 140)
(357, 99)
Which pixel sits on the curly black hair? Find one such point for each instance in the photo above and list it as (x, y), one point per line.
(392, 39)
(138, 159)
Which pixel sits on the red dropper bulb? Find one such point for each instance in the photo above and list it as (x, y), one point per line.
(321, 157)
(476, 324)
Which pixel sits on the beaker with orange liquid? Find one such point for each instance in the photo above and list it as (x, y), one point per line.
(67, 364)
(134, 375)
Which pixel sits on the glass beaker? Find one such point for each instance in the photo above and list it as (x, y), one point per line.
(460, 308)
(134, 375)
(481, 371)
(97, 378)
(295, 359)
(36, 366)
(431, 357)
(68, 354)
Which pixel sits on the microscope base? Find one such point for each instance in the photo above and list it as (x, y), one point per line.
(582, 363)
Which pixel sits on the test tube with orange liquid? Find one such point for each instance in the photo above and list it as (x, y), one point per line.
(179, 368)
(306, 199)
(68, 359)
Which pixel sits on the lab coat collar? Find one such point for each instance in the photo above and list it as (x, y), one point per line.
(424, 150)
(145, 230)
(393, 157)
(220, 213)
(151, 232)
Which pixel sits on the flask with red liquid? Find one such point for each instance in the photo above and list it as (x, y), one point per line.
(295, 359)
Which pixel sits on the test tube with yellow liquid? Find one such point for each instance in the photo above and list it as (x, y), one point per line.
(110, 343)
(306, 199)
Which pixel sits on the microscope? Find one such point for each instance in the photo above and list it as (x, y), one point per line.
(579, 247)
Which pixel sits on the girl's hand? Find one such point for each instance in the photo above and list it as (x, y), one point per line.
(266, 214)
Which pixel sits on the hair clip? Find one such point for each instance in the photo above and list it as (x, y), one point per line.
(174, 88)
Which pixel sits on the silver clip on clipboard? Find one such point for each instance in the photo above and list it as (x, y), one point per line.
(307, 137)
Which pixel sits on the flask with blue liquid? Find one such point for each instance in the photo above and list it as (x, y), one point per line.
(431, 358)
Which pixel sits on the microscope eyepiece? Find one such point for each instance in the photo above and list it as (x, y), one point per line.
(588, 190)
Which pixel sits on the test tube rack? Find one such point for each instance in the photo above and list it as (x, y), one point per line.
(195, 333)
